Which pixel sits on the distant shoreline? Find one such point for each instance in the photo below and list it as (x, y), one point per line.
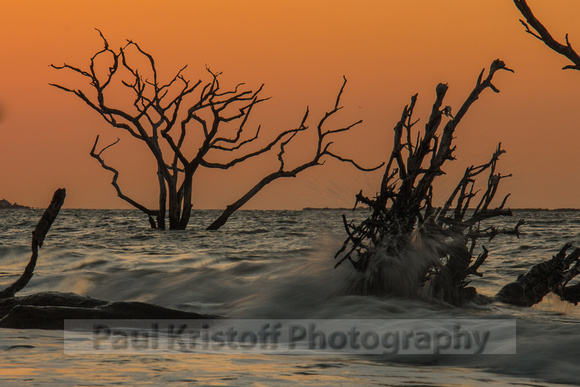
(6, 204)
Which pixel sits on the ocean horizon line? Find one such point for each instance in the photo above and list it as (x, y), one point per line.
(24, 207)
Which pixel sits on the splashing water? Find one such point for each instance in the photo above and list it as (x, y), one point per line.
(273, 264)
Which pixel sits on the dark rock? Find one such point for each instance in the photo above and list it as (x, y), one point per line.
(48, 310)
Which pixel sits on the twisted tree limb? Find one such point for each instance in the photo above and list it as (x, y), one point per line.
(38, 236)
(322, 151)
(535, 28)
(150, 213)
(404, 225)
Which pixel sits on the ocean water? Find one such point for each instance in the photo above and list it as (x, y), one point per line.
(269, 265)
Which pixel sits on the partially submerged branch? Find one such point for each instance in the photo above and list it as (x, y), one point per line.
(97, 155)
(405, 197)
(322, 150)
(549, 276)
(38, 236)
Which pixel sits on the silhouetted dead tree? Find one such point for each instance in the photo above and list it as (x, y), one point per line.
(535, 28)
(169, 117)
(403, 216)
(408, 247)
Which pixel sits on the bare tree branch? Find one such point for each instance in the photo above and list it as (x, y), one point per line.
(535, 28)
(38, 236)
(97, 155)
(283, 140)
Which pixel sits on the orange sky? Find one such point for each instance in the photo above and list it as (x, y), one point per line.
(300, 49)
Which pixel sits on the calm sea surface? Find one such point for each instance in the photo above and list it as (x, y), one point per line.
(268, 264)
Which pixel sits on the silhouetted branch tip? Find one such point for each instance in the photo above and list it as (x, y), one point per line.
(535, 28)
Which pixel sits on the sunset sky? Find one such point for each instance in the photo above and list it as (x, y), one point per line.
(300, 49)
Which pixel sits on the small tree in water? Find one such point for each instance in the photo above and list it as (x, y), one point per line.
(168, 118)
(408, 247)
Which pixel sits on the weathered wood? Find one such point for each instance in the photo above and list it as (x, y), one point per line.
(38, 236)
(552, 275)
(543, 278)
(404, 223)
(403, 217)
(114, 182)
(48, 310)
